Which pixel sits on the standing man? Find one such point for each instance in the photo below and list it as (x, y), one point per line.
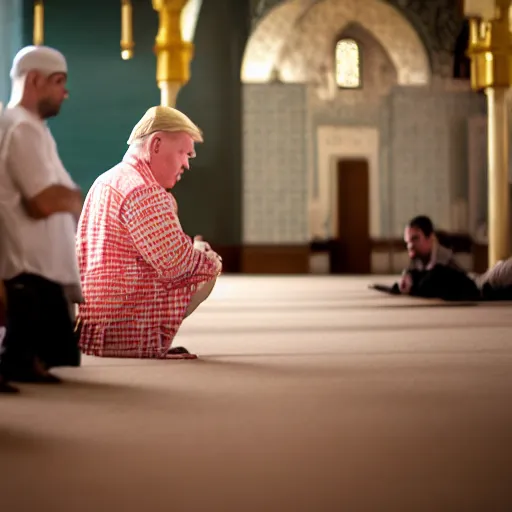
(39, 209)
(141, 274)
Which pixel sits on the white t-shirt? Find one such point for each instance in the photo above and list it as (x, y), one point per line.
(29, 163)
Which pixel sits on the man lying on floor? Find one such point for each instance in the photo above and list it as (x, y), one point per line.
(141, 274)
(433, 271)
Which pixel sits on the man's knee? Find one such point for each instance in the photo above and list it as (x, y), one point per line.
(500, 275)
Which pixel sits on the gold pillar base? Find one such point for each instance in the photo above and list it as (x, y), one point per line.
(173, 54)
(169, 93)
(498, 177)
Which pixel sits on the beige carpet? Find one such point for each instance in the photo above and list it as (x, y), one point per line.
(312, 394)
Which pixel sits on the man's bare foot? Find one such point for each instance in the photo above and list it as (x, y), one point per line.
(5, 387)
(36, 378)
(179, 353)
(38, 374)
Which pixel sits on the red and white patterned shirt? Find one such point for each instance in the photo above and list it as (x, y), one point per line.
(138, 268)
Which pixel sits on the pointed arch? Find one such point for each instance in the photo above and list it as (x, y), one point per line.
(314, 28)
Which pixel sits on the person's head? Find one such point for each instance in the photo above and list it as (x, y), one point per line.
(419, 236)
(39, 76)
(165, 139)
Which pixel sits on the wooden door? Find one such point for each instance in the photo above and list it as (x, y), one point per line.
(353, 246)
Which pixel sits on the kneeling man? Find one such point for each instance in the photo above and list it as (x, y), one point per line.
(141, 274)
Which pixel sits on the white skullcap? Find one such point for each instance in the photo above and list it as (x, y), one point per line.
(38, 58)
(164, 119)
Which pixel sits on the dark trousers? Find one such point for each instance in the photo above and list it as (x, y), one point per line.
(38, 326)
(444, 283)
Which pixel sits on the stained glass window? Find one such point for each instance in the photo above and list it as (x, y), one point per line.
(348, 64)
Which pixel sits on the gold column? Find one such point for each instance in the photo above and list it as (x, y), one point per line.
(38, 35)
(498, 179)
(490, 54)
(173, 54)
(127, 43)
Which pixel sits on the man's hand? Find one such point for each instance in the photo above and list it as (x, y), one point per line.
(405, 284)
(203, 246)
(200, 244)
(55, 199)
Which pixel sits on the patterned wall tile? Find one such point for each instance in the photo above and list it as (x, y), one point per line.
(275, 164)
(429, 154)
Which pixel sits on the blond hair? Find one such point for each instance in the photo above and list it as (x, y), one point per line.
(164, 119)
